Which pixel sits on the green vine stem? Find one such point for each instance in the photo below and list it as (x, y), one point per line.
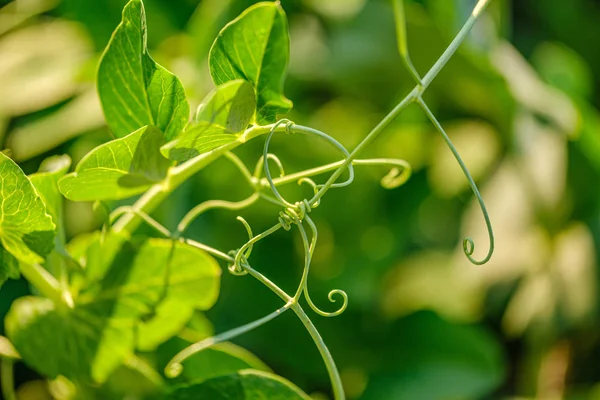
(7, 379)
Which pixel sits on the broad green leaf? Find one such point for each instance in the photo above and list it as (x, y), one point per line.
(230, 105)
(222, 116)
(434, 359)
(84, 344)
(197, 139)
(170, 318)
(46, 183)
(221, 359)
(255, 47)
(26, 230)
(134, 90)
(137, 278)
(244, 385)
(118, 169)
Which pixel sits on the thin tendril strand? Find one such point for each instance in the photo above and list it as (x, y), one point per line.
(236, 267)
(250, 235)
(400, 17)
(309, 249)
(235, 160)
(174, 367)
(468, 244)
(292, 128)
(399, 169)
(144, 216)
(213, 204)
(313, 184)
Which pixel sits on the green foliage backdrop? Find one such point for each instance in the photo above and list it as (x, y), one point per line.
(519, 100)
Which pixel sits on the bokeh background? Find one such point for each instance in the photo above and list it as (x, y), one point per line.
(520, 100)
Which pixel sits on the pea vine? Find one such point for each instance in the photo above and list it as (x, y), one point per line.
(108, 293)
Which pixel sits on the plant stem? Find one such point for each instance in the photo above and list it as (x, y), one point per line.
(460, 37)
(411, 97)
(7, 379)
(43, 281)
(177, 175)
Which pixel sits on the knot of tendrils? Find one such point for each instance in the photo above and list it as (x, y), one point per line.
(235, 268)
(294, 214)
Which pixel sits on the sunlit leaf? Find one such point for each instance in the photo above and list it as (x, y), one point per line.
(82, 344)
(255, 47)
(26, 230)
(46, 183)
(134, 90)
(245, 385)
(118, 169)
(143, 277)
(222, 359)
(223, 114)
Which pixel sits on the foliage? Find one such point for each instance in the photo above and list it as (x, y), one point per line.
(129, 298)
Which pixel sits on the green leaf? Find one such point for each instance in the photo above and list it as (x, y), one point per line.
(83, 344)
(197, 139)
(244, 385)
(221, 359)
(134, 90)
(141, 278)
(223, 115)
(118, 169)
(26, 230)
(46, 183)
(170, 318)
(434, 359)
(230, 106)
(255, 47)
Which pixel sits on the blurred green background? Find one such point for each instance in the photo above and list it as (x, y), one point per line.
(520, 100)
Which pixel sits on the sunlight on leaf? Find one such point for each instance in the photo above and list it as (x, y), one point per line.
(223, 115)
(134, 90)
(26, 230)
(255, 47)
(245, 385)
(118, 169)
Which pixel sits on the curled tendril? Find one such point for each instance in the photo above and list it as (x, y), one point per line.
(261, 162)
(292, 128)
(468, 244)
(250, 235)
(213, 204)
(175, 366)
(309, 250)
(294, 214)
(399, 174)
(331, 299)
(311, 183)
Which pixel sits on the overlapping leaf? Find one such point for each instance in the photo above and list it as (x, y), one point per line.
(222, 116)
(118, 169)
(221, 359)
(26, 230)
(83, 344)
(87, 342)
(244, 385)
(134, 90)
(255, 47)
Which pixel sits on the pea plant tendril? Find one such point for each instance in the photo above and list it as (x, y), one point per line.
(156, 151)
(297, 213)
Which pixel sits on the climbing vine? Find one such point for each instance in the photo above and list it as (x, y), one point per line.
(107, 294)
